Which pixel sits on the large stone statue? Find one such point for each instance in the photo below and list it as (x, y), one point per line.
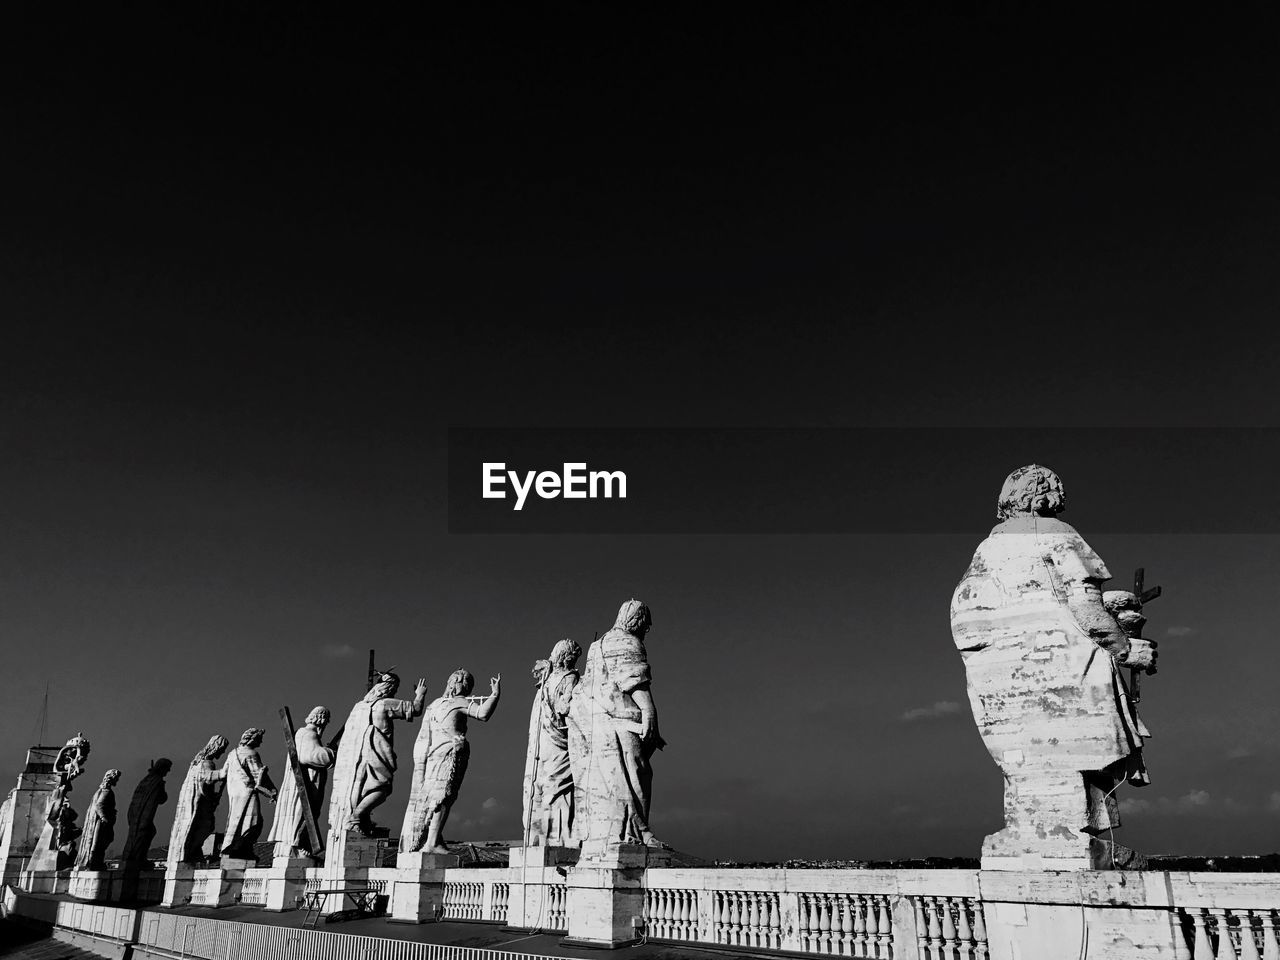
(147, 797)
(289, 829)
(366, 760)
(1043, 657)
(613, 733)
(57, 844)
(440, 756)
(99, 825)
(193, 819)
(247, 782)
(549, 812)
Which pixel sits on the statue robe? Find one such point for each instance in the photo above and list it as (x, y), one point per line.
(245, 775)
(98, 830)
(147, 798)
(366, 761)
(289, 828)
(1044, 693)
(193, 818)
(553, 782)
(612, 778)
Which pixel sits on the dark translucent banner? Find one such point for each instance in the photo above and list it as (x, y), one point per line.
(816, 480)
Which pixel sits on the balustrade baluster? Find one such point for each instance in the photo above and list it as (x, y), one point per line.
(965, 933)
(1226, 948)
(935, 928)
(824, 922)
(753, 918)
(1270, 946)
(979, 932)
(848, 904)
(863, 945)
(885, 925)
(1248, 946)
(948, 928)
(717, 916)
(775, 922)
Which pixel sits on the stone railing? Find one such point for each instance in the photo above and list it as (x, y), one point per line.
(472, 893)
(253, 891)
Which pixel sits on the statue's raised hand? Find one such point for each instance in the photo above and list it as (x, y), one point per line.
(420, 688)
(1142, 655)
(494, 683)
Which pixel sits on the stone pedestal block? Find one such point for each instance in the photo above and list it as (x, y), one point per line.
(606, 896)
(532, 872)
(417, 893)
(93, 885)
(178, 878)
(1040, 931)
(286, 883)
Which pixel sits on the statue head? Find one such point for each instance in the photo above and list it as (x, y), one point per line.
(387, 685)
(111, 778)
(252, 737)
(71, 758)
(635, 618)
(565, 654)
(318, 717)
(212, 750)
(161, 766)
(460, 684)
(1031, 491)
(540, 670)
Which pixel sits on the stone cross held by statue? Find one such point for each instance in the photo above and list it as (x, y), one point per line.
(300, 781)
(1143, 596)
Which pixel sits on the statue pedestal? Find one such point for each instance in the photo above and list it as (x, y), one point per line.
(140, 884)
(285, 883)
(364, 851)
(1082, 851)
(178, 878)
(94, 885)
(417, 894)
(219, 886)
(606, 895)
(532, 874)
(45, 881)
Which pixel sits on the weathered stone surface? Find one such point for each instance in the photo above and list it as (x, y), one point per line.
(548, 786)
(1043, 658)
(288, 829)
(99, 825)
(197, 804)
(440, 757)
(147, 798)
(247, 782)
(56, 848)
(613, 732)
(27, 808)
(366, 764)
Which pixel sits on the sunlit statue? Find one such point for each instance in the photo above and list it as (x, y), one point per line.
(197, 805)
(612, 734)
(440, 757)
(1043, 657)
(147, 798)
(247, 782)
(99, 825)
(549, 814)
(289, 829)
(366, 762)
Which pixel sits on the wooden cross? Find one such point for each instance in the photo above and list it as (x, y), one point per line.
(300, 783)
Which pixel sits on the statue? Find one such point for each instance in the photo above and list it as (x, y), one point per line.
(1043, 657)
(55, 848)
(193, 820)
(247, 778)
(366, 759)
(289, 829)
(440, 757)
(549, 813)
(613, 733)
(99, 825)
(147, 797)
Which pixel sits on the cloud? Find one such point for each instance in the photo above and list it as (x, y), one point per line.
(1179, 631)
(337, 651)
(943, 708)
(1190, 803)
(1240, 752)
(491, 804)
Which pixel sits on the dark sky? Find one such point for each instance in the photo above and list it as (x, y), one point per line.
(256, 260)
